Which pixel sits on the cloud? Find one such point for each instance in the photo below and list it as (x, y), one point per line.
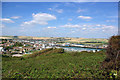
(108, 27)
(110, 20)
(69, 4)
(71, 26)
(15, 17)
(83, 28)
(76, 26)
(51, 27)
(56, 9)
(112, 16)
(85, 17)
(50, 9)
(7, 20)
(80, 10)
(92, 28)
(73, 31)
(59, 10)
(98, 25)
(39, 18)
(87, 26)
(70, 19)
(2, 26)
(84, 25)
(105, 28)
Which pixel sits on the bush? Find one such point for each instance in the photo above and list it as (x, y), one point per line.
(17, 44)
(34, 54)
(58, 50)
(6, 55)
(112, 61)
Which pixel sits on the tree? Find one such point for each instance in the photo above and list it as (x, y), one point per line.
(112, 61)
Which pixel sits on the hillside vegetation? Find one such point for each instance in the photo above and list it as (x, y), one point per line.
(54, 63)
(111, 64)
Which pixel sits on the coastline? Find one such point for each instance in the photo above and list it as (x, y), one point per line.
(84, 47)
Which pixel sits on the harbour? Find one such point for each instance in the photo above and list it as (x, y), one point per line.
(79, 49)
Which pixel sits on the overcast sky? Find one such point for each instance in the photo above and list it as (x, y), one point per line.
(60, 19)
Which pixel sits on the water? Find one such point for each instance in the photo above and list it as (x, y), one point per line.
(79, 49)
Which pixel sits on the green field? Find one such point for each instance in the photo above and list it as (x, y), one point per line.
(53, 64)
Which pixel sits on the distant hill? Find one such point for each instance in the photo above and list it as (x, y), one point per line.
(23, 37)
(87, 40)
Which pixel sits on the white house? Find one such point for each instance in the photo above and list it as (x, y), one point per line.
(1, 49)
(17, 55)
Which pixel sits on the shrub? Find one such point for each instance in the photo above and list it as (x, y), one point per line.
(6, 55)
(112, 61)
(58, 50)
(34, 54)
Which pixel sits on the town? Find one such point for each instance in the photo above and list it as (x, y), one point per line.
(18, 47)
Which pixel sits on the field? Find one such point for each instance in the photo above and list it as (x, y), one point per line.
(96, 41)
(54, 65)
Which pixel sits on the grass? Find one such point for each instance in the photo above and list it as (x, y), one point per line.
(54, 65)
(82, 40)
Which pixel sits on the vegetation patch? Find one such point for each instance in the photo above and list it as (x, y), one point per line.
(53, 64)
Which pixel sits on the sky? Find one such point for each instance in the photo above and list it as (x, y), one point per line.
(60, 19)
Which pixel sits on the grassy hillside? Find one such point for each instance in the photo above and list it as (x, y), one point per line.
(54, 64)
(87, 40)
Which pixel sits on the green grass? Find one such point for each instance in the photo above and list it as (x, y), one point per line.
(54, 65)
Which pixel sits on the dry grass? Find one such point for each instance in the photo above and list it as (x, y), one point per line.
(87, 40)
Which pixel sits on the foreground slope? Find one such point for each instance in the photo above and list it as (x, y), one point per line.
(54, 64)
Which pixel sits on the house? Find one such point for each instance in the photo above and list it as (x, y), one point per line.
(17, 55)
(1, 49)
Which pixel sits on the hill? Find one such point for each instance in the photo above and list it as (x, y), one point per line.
(54, 64)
